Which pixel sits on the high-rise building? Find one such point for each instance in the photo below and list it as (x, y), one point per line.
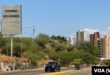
(104, 47)
(71, 40)
(81, 36)
(100, 47)
(94, 37)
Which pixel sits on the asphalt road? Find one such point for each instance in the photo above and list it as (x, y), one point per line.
(41, 71)
(85, 72)
(29, 72)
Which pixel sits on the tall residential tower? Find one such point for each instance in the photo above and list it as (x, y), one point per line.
(81, 36)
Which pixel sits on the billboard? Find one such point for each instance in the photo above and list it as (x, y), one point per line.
(12, 20)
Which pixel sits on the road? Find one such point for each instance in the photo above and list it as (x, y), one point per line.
(84, 72)
(30, 72)
(41, 71)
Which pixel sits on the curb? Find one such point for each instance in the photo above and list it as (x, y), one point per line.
(59, 73)
(66, 72)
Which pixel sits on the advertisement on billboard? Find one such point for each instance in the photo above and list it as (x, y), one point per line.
(11, 20)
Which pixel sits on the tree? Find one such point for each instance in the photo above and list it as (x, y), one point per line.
(34, 56)
(88, 58)
(60, 47)
(70, 47)
(76, 61)
(60, 39)
(56, 47)
(2, 44)
(106, 62)
(42, 39)
(89, 47)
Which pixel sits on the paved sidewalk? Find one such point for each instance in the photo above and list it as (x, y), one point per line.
(21, 70)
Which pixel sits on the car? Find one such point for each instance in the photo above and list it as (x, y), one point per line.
(52, 66)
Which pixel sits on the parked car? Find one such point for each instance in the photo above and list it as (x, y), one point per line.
(52, 66)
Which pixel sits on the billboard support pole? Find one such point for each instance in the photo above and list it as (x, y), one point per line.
(11, 46)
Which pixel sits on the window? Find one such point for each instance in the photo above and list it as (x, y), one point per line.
(10, 15)
(10, 10)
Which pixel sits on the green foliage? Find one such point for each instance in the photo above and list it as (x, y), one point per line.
(2, 41)
(17, 50)
(76, 61)
(4, 45)
(56, 47)
(85, 56)
(26, 43)
(70, 47)
(64, 56)
(33, 57)
(42, 39)
(88, 58)
(60, 47)
(106, 62)
(60, 39)
(89, 47)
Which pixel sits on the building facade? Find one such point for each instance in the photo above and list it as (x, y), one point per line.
(94, 37)
(81, 36)
(100, 47)
(71, 40)
(104, 47)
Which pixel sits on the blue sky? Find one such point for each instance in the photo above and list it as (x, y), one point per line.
(62, 17)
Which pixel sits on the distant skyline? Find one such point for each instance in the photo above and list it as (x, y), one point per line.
(62, 17)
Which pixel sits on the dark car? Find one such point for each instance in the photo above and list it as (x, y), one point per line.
(52, 66)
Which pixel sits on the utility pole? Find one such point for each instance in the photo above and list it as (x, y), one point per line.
(6, 44)
(11, 46)
(33, 32)
(21, 46)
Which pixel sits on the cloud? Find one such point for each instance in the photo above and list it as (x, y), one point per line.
(107, 32)
(103, 33)
(108, 28)
(91, 31)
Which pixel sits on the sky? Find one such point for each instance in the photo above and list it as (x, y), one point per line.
(62, 17)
